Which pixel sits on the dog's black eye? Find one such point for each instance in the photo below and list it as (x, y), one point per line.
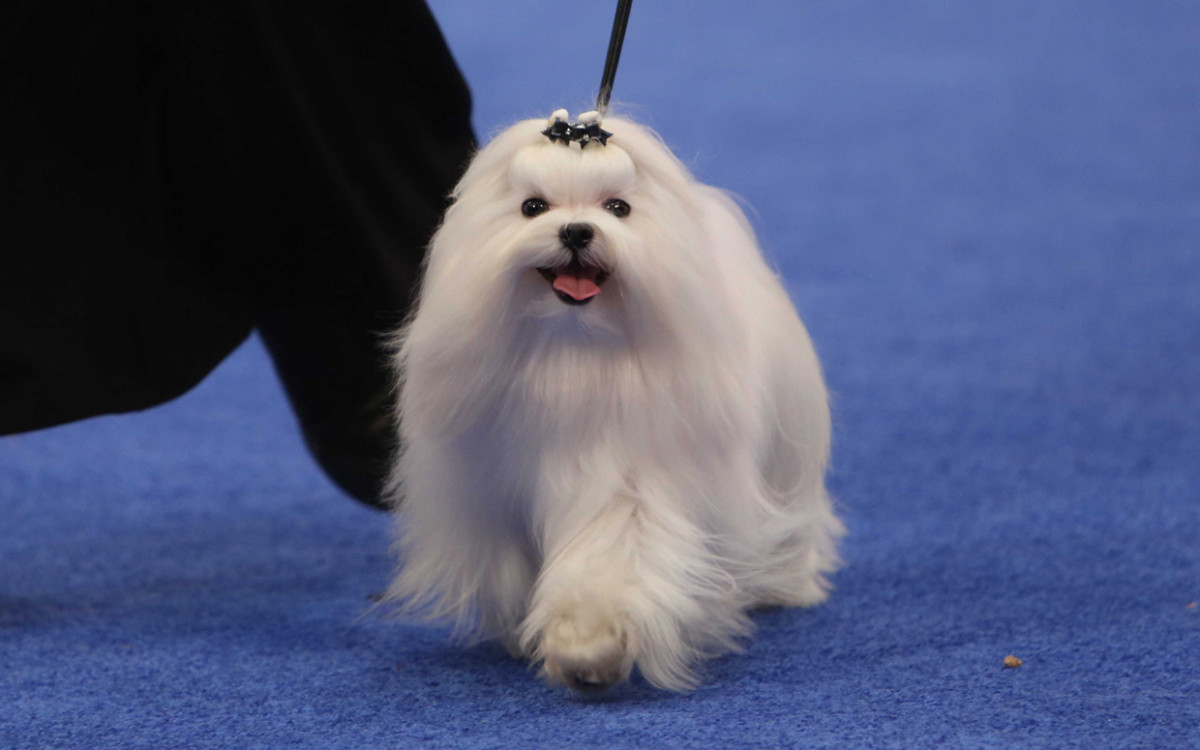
(534, 206)
(617, 208)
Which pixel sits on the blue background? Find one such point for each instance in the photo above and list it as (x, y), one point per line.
(989, 216)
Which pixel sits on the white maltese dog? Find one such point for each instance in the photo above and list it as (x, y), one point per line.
(614, 428)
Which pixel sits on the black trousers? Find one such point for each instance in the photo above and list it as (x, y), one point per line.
(175, 175)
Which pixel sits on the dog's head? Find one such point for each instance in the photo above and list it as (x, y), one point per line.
(596, 239)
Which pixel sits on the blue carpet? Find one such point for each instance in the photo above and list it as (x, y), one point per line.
(989, 214)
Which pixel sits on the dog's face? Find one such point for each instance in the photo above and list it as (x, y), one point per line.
(600, 239)
(572, 225)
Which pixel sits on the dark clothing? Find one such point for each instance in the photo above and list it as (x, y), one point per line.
(173, 175)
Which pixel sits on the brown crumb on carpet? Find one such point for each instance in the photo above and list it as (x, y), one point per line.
(1011, 662)
(1191, 606)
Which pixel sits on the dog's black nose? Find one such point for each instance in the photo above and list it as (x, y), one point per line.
(575, 236)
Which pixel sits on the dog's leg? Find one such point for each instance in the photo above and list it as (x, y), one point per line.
(631, 586)
(578, 624)
(465, 559)
(795, 570)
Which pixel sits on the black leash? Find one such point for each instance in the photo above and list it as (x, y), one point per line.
(615, 42)
(588, 128)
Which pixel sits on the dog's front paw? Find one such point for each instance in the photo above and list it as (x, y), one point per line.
(585, 651)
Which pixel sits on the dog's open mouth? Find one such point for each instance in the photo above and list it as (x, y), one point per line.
(575, 283)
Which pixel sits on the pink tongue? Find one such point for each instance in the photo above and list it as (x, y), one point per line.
(576, 287)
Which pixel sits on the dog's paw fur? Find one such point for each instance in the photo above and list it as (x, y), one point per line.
(586, 649)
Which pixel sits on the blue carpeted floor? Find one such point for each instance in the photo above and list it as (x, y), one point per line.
(989, 214)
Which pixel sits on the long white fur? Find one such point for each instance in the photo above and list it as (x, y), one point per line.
(613, 484)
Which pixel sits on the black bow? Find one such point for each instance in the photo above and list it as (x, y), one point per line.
(581, 133)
